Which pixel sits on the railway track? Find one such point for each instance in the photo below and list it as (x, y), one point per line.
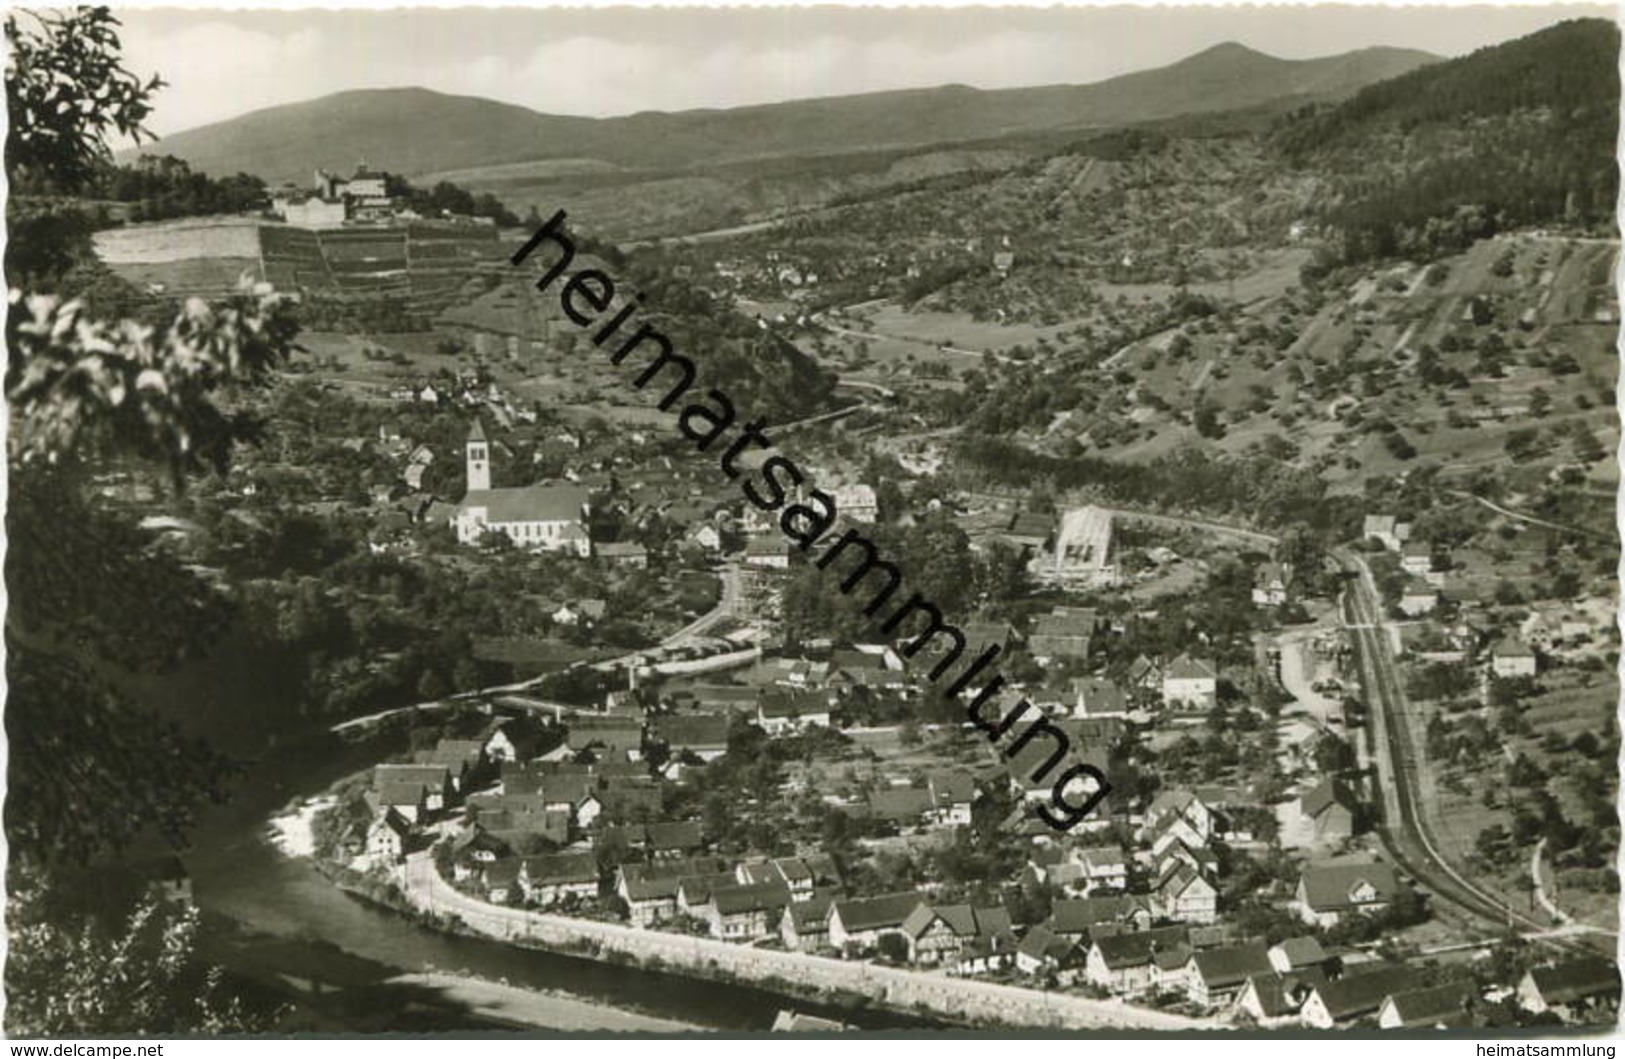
(1405, 832)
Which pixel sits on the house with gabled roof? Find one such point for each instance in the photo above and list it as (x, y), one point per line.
(388, 836)
(1122, 963)
(780, 711)
(1271, 583)
(1103, 868)
(858, 923)
(1064, 633)
(650, 890)
(1328, 891)
(1078, 918)
(549, 878)
(1277, 999)
(1176, 813)
(705, 735)
(1570, 987)
(1297, 954)
(1190, 683)
(1183, 894)
(1511, 657)
(745, 913)
(1215, 976)
(1043, 952)
(405, 799)
(1097, 697)
(500, 879)
(435, 780)
(937, 934)
(1388, 530)
(1327, 810)
(1354, 996)
(1442, 1007)
(804, 926)
(952, 793)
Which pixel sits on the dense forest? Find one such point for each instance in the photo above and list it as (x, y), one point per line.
(1424, 164)
(166, 187)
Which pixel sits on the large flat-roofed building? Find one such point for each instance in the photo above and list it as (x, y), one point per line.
(1082, 556)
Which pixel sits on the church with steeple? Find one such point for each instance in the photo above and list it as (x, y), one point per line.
(540, 517)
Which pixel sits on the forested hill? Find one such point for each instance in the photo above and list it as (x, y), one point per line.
(1517, 134)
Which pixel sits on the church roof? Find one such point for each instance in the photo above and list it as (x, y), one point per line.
(478, 433)
(530, 503)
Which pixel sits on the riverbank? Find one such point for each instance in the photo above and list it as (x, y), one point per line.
(966, 1002)
(520, 1008)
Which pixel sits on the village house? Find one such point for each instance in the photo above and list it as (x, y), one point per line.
(1388, 530)
(1216, 976)
(650, 890)
(1277, 999)
(1052, 865)
(937, 934)
(1077, 918)
(498, 744)
(1270, 584)
(610, 739)
(1417, 598)
(539, 517)
(387, 836)
(1511, 657)
(1570, 988)
(1443, 1007)
(768, 551)
(1190, 683)
(1122, 963)
(745, 913)
(1062, 634)
(463, 759)
(1329, 891)
(395, 782)
(1178, 814)
(1098, 697)
(405, 799)
(1029, 530)
(952, 793)
(1416, 558)
(1297, 954)
(579, 612)
(1103, 868)
(548, 879)
(1184, 895)
(704, 735)
(1354, 996)
(1327, 812)
(629, 554)
(781, 711)
(856, 924)
(1043, 952)
(804, 927)
(500, 880)
(856, 502)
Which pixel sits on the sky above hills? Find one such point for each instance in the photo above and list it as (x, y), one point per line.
(609, 61)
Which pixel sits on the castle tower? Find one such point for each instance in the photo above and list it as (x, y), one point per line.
(479, 459)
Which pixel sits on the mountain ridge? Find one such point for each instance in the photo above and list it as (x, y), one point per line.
(386, 125)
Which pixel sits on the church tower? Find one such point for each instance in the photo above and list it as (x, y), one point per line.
(479, 459)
